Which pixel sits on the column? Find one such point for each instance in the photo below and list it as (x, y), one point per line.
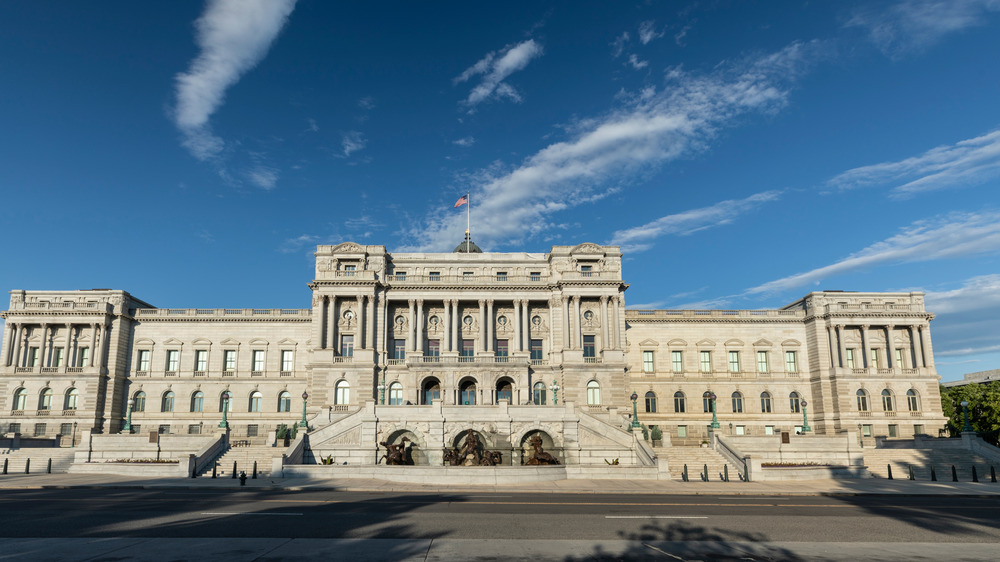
(829, 340)
(916, 340)
(865, 347)
(481, 343)
(93, 345)
(565, 323)
(525, 328)
(103, 335)
(840, 345)
(446, 326)
(420, 326)
(360, 329)
(41, 350)
(370, 323)
(605, 337)
(332, 316)
(618, 302)
(67, 347)
(890, 357)
(455, 326)
(411, 330)
(490, 325)
(577, 324)
(17, 345)
(927, 346)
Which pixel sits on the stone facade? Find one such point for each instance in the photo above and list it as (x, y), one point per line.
(427, 333)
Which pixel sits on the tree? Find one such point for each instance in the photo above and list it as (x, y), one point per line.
(984, 409)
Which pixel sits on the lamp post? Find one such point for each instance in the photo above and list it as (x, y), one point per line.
(965, 414)
(635, 413)
(554, 387)
(305, 396)
(128, 419)
(805, 418)
(381, 392)
(711, 400)
(224, 424)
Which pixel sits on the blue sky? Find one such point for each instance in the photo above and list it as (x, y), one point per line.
(741, 153)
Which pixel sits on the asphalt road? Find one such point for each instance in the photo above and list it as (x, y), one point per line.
(656, 523)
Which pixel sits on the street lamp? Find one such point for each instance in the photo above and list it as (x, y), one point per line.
(635, 413)
(805, 418)
(128, 420)
(554, 387)
(224, 424)
(965, 414)
(711, 400)
(305, 396)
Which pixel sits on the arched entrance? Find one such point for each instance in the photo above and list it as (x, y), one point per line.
(414, 445)
(467, 388)
(505, 390)
(430, 391)
(527, 450)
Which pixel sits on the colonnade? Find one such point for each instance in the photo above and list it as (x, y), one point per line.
(919, 355)
(17, 349)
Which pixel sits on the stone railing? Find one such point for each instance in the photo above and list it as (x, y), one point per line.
(85, 306)
(465, 279)
(636, 314)
(872, 307)
(256, 313)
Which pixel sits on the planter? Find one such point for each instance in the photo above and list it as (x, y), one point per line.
(657, 442)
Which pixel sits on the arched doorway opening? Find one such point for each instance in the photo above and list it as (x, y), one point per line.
(527, 449)
(467, 391)
(414, 445)
(430, 391)
(505, 390)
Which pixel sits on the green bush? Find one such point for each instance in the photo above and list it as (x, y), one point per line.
(656, 433)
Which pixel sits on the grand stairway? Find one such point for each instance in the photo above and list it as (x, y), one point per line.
(16, 459)
(878, 461)
(244, 457)
(696, 459)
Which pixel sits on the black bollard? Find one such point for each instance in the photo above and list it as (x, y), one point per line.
(954, 474)
(975, 477)
(889, 466)
(993, 474)
(215, 467)
(5, 465)
(27, 466)
(725, 473)
(243, 479)
(48, 469)
(704, 475)
(911, 473)
(254, 470)
(234, 469)
(933, 474)
(684, 475)
(194, 471)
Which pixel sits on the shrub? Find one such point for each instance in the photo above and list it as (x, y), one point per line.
(656, 433)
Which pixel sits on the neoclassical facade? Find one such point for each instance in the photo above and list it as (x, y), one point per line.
(490, 331)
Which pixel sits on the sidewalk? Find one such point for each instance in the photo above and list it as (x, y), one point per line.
(874, 486)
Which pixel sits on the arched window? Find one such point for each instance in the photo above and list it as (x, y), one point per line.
(396, 394)
(679, 402)
(650, 402)
(862, 400)
(256, 398)
(432, 391)
(224, 404)
(538, 394)
(912, 400)
(45, 399)
(198, 401)
(765, 402)
(20, 399)
(343, 394)
(795, 402)
(167, 402)
(285, 402)
(139, 402)
(887, 403)
(72, 399)
(467, 392)
(593, 393)
(737, 402)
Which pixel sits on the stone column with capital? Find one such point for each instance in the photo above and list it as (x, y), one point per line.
(525, 327)
(866, 346)
(370, 323)
(93, 343)
(455, 326)
(490, 325)
(567, 341)
(890, 358)
(419, 343)
(481, 343)
(41, 350)
(517, 327)
(360, 328)
(446, 326)
(16, 359)
(411, 330)
(927, 346)
(840, 345)
(577, 324)
(616, 335)
(68, 347)
(331, 333)
(605, 331)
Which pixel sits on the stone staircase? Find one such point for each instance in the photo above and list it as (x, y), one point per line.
(244, 457)
(878, 461)
(696, 458)
(17, 459)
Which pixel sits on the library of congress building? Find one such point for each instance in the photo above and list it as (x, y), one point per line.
(507, 343)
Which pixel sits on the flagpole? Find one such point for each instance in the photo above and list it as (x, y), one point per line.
(468, 223)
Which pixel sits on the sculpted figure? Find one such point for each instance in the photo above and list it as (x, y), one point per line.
(539, 456)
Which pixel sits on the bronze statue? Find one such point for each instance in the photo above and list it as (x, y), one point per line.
(539, 456)
(491, 458)
(397, 455)
(469, 455)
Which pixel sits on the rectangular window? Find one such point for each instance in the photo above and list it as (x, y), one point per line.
(83, 357)
(258, 359)
(893, 430)
(706, 361)
(400, 276)
(874, 357)
(40, 429)
(163, 429)
(866, 430)
(768, 430)
(918, 429)
(433, 348)
(173, 358)
(399, 349)
(14, 428)
(435, 276)
(347, 345)
(677, 361)
(467, 276)
(349, 270)
(32, 356)
(850, 357)
(501, 276)
(899, 359)
(682, 431)
(734, 361)
(536, 350)
(194, 429)
(57, 356)
(648, 365)
(200, 360)
(287, 360)
(252, 430)
(468, 349)
(791, 362)
(535, 276)
(229, 360)
(741, 430)
(762, 363)
(65, 429)
(586, 270)
(143, 360)
(588, 346)
(502, 348)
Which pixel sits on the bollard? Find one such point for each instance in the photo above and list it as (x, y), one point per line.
(975, 477)
(48, 469)
(911, 473)
(243, 479)
(5, 465)
(889, 466)
(933, 474)
(725, 473)
(684, 475)
(27, 466)
(254, 470)
(194, 471)
(704, 475)
(215, 467)
(234, 469)
(954, 474)
(993, 474)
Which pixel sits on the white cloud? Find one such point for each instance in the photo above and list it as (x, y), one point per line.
(689, 222)
(233, 35)
(966, 317)
(618, 45)
(951, 236)
(964, 163)
(915, 24)
(353, 141)
(465, 142)
(495, 68)
(263, 177)
(313, 127)
(647, 32)
(605, 153)
(367, 103)
(680, 35)
(637, 64)
(292, 245)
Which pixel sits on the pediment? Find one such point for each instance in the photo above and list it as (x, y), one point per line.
(144, 342)
(706, 343)
(173, 341)
(202, 341)
(734, 343)
(762, 343)
(258, 341)
(587, 248)
(288, 342)
(230, 341)
(348, 248)
(649, 343)
(791, 343)
(677, 343)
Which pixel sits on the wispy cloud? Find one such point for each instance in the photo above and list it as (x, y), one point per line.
(638, 238)
(367, 103)
(313, 127)
(967, 162)
(634, 62)
(293, 245)
(495, 68)
(263, 177)
(352, 142)
(618, 45)
(465, 141)
(915, 24)
(605, 153)
(680, 35)
(966, 317)
(233, 35)
(648, 32)
(950, 236)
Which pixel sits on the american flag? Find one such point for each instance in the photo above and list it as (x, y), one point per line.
(461, 201)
